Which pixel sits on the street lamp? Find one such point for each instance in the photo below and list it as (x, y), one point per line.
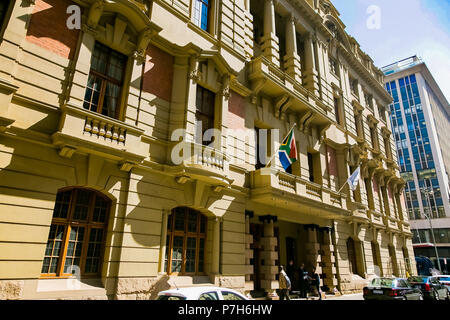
(428, 192)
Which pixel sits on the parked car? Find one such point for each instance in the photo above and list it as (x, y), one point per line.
(445, 280)
(201, 293)
(430, 287)
(391, 289)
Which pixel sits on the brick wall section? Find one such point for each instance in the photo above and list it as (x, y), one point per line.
(375, 185)
(332, 161)
(48, 28)
(236, 108)
(158, 73)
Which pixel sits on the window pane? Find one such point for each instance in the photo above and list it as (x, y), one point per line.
(100, 210)
(190, 254)
(94, 251)
(62, 205)
(192, 221)
(209, 296)
(201, 254)
(180, 220)
(53, 249)
(230, 296)
(73, 255)
(177, 254)
(82, 205)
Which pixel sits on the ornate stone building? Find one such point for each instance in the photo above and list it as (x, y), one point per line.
(104, 175)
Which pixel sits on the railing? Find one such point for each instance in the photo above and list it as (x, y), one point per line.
(91, 131)
(104, 129)
(192, 154)
(295, 185)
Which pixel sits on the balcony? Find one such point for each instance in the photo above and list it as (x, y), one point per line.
(358, 212)
(90, 132)
(277, 188)
(190, 160)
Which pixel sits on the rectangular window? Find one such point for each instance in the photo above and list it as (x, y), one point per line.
(337, 110)
(205, 113)
(311, 167)
(354, 86)
(105, 81)
(334, 66)
(201, 13)
(373, 137)
(368, 100)
(263, 141)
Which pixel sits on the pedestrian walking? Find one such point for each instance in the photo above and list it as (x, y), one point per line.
(285, 284)
(316, 283)
(303, 277)
(291, 273)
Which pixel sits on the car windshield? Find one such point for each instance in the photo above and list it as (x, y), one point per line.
(169, 297)
(382, 282)
(418, 279)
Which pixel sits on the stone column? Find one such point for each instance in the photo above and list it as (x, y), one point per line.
(310, 76)
(292, 59)
(249, 285)
(216, 247)
(270, 46)
(163, 240)
(329, 273)
(312, 248)
(269, 256)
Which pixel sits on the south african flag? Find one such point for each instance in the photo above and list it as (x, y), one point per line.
(288, 152)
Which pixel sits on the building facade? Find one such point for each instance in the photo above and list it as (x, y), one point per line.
(420, 118)
(108, 189)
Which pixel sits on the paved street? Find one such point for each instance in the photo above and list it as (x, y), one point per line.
(358, 296)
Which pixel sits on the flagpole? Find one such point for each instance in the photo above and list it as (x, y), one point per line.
(275, 154)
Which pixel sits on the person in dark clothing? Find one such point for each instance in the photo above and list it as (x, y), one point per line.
(290, 271)
(303, 279)
(316, 283)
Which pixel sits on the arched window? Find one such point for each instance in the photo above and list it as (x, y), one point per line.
(186, 236)
(352, 256)
(77, 233)
(376, 256)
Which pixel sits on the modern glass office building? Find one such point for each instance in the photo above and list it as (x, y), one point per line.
(420, 117)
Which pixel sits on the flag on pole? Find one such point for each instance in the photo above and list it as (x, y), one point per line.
(288, 151)
(354, 179)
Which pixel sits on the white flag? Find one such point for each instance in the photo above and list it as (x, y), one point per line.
(354, 179)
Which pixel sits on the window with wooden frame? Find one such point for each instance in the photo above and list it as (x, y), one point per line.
(4, 15)
(202, 12)
(106, 78)
(77, 234)
(204, 115)
(186, 239)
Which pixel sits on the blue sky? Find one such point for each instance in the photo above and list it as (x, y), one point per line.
(408, 27)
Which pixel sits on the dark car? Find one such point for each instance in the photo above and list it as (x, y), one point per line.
(430, 287)
(391, 289)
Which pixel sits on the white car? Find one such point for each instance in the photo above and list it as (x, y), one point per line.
(445, 280)
(201, 293)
